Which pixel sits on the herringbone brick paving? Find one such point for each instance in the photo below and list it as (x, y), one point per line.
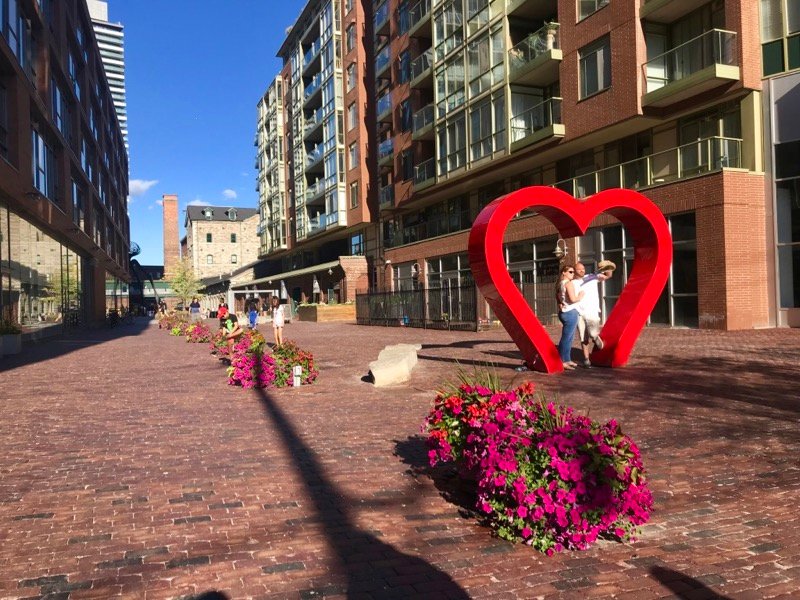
(130, 469)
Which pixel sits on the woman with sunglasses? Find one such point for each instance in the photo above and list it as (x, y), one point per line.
(568, 314)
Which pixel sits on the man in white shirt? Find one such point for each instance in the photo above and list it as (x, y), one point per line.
(589, 306)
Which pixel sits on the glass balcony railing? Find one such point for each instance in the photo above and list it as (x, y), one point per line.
(386, 196)
(538, 117)
(385, 148)
(714, 47)
(689, 160)
(425, 171)
(421, 64)
(315, 190)
(419, 11)
(312, 53)
(384, 105)
(314, 121)
(314, 156)
(381, 15)
(312, 87)
(423, 118)
(382, 60)
(535, 44)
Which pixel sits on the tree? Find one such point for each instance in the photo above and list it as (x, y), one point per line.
(185, 284)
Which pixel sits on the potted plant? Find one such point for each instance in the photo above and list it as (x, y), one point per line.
(10, 337)
(550, 33)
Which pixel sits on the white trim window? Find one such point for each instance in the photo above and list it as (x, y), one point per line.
(595, 67)
(588, 7)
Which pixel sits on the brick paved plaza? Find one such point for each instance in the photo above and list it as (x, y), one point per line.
(131, 469)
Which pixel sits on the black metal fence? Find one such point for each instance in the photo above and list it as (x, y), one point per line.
(434, 308)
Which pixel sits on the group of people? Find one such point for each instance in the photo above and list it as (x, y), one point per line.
(578, 300)
(229, 323)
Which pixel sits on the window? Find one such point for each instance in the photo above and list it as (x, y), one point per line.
(595, 67)
(231, 212)
(351, 76)
(352, 153)
(208, 238)
(234, 259)
(74, 74)
(3, 121)
(233, 238)
(403, 17)
(350, 37)
(407, 164)
(209, 259)
(77, 204)
(352, 116)
(45, 170)
(404, 67)
(357, 244)
(587, 7)
(348, 6)
(354, 194)
(60, 109)
(406, 116)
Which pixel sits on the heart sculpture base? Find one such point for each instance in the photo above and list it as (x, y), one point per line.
(647, 229)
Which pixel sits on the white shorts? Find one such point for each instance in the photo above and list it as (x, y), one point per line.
(588, 329)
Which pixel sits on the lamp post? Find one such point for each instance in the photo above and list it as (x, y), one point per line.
(561, 250)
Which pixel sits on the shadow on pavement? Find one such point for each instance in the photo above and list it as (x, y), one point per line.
(60, 345)
(370, 566)
(683, 586)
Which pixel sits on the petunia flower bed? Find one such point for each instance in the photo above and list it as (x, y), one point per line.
(198, 333)
(545, 475)
(253, 365)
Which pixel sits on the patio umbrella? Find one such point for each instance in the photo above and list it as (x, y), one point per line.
(284, 293)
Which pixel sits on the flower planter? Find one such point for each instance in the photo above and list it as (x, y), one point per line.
(326, 313)
(10, 343)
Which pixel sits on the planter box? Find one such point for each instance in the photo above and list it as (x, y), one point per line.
(10, 343)
(326, 313)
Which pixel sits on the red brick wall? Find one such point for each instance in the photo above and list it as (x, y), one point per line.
(171, 238)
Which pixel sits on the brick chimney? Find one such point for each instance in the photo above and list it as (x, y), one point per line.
(171, 239)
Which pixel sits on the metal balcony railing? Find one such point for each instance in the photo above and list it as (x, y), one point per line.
(538, 117)
(532, 46)
(425, 171)
(419, 11)
(714, 47)
(422, 63)
(423, 118)
(689, 160)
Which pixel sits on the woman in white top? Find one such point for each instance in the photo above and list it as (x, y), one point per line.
(567, 313)
(277, 320)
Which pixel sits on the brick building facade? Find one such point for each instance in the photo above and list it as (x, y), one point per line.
(220, 240)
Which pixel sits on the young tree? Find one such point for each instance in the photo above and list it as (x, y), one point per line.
(184, 283)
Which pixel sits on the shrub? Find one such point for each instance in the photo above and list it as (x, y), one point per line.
(251, 366)
(288, 355)
(9, 327)
(544, 475)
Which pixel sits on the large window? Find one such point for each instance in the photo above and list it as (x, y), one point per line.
(45, 170)
(354, 194)
(352, 116)
(3, 121)
(60, 108)
(780, 35)
(787, 200)
(350, 37)
(595, 67)
(588, 7)
(351, 76)
(77, 204)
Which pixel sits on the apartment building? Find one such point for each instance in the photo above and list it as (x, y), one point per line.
(111, 41)
(64, 231)
(219, 240)
(472, 99)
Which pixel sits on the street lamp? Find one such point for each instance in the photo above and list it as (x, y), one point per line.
(561, 249)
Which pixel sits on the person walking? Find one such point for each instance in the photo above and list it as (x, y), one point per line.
(194, 310)
(568, 301)
(278, 320)
(252, 315)
(589, 305)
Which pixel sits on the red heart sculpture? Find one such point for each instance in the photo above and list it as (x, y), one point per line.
(645, 226)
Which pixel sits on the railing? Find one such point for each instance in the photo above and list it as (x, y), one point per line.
(382, 60)
(386, 195)
(421, 64)
(532, 46)
(381, 15)
(312, 53)
(423, 118)
(314, 156)
(384, 105)
(314, 120)
(447, 307)
(696, 158)
(315, 190)
(425, 171)
(538, 117)
(710, 48)
(312, 87)
(419, 11)
(385, 148)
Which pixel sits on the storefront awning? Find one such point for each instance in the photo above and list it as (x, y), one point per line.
(289, 274)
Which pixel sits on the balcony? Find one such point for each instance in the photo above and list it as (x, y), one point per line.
(536, 59)
(386, 197)
(534, 10)
(682, 162)
(422, 71)
(382, 61)
(382, 19)
(316, 190)
(704, 63)
(383, 108)
(422, 128)
(312, 130)
(538, 123)
(425, 174)
(312, 56)
(314, 162)
(420, 19)
(666, 11)
(312, 91)
(386, 152)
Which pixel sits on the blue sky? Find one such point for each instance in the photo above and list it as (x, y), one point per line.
(195, 70)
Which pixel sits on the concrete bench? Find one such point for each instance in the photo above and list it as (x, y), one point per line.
(394, 364)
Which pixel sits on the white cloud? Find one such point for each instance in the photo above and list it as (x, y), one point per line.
(245, 174)
(138, 187)
(160, 202)
(199, 202)
(230, 194)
